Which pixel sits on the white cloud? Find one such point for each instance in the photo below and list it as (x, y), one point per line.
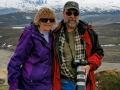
(96, 1)
(83, 4)
(84, 1)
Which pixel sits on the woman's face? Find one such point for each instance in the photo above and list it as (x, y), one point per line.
(46, 24)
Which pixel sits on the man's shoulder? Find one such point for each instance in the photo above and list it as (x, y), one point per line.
(86, 25)
(57, 28)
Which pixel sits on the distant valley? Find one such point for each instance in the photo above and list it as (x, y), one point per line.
(106, 25)
(23, 18)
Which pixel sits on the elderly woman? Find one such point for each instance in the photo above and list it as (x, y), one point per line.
(31, 64)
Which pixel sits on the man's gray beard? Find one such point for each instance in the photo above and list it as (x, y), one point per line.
(71, 25)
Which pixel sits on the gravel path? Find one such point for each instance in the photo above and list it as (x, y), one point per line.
(6, 55)
(109, 66)
(4, 58)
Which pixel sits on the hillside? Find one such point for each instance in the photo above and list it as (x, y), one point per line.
(106, 25)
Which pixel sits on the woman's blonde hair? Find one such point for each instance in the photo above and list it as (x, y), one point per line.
(44, 13)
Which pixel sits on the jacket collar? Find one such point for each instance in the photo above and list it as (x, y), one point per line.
(36, 34)
(82, 29)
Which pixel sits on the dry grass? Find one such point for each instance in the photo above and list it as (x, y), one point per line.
(3, 87)
(107, 80)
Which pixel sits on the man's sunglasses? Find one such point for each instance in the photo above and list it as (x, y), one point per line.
(70, 13)
(45, 20)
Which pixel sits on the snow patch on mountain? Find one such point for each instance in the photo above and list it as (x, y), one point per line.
(85, 5)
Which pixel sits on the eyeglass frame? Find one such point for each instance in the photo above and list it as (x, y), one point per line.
(45, 20)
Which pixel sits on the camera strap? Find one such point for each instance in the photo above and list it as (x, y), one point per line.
(67, 40)
(80, 78)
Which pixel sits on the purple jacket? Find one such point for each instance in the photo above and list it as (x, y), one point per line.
(30, 66)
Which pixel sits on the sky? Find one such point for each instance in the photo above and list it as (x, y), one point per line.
(96, 1)
(88, 4)
(87, 1)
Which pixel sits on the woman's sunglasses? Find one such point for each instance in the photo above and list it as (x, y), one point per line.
(45, 20)
(70, 13)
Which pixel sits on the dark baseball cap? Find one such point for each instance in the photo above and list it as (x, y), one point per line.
(71, 5)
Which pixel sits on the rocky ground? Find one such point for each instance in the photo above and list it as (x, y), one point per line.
(5, 57)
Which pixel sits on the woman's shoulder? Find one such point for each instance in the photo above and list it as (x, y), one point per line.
(29, 29)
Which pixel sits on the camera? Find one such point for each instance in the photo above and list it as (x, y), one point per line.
(81, 79)
(76, 63)
(81, 76)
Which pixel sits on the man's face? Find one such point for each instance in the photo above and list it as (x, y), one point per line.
(71, 18)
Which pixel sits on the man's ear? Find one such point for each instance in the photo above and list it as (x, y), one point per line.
(63, 13)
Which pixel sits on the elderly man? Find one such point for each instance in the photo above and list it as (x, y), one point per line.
(77, 52)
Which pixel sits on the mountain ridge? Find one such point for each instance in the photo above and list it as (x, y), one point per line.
(32, 5)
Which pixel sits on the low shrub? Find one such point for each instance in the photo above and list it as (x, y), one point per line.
(108, 80)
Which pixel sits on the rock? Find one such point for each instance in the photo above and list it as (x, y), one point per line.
(2, 81)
